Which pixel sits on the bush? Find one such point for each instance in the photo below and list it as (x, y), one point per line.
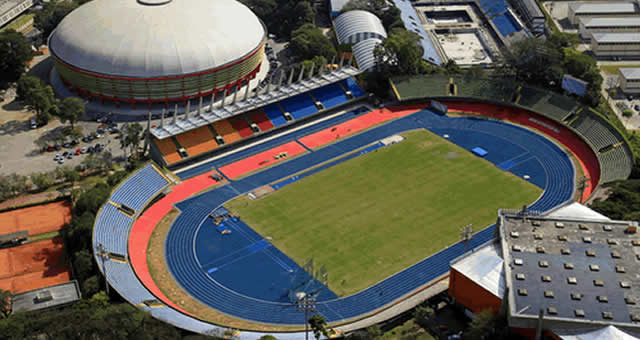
(627, 113)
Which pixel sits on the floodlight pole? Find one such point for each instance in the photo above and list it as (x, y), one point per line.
(307, 304)
(583, 185)
(103, 256)
(466, 235)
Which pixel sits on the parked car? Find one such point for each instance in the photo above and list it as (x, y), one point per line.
(70, 155)
(33, 123)
(66, 145)
(84, 149)
(57, 147)
(64, 154)
(61, 161)
(85, 139)
(78, 151)
(113, 129)
(50, 148)
(74, 142)
(90, 149)
(637, 108)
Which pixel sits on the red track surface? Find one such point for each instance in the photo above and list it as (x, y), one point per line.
(260, 160)
(580, 149)
(142, 229)
(37, 219)
(34, 265)
(355, 125)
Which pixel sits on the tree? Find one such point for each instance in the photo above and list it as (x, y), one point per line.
(308, 42)
(5, 303)
(51, 14)
(43, 101)
(71, 110)
(482, 326)
(26, 86)
(130, 137)
(71, 175)
(83, 264)
(318, 326)
(91, 200)
(422, 314)
(373, 331)
(533, 61)
(399, 53)
(268, 337)
(91, 285)
(42, 180)
(78, 234)
(15, 52)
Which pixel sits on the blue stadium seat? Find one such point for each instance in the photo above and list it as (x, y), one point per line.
(350, 85)
(330, 95)
(138, 189)
(274, 114)
(299, 106)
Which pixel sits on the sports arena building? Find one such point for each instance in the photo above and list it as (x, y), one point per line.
(157, 51)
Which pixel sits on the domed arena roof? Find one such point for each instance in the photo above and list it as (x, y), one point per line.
(149, 38)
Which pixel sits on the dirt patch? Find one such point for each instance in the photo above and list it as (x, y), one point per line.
(452, 155)
(425, 145)
(165, 281)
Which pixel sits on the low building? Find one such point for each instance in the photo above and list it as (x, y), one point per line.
(571, 272)
(601, 9)
(590, 25)
(629, 79)
(532, 14)
(10, 9)
(364, 31)
(336, 7)
(44, 298)
(616, 45)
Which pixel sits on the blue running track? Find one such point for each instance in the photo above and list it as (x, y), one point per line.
(245, 289)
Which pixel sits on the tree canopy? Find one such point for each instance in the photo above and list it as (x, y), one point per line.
(308, 42)
(15, 52)
(400, 53)
(282, 16)
(71, 110)
(51, 14)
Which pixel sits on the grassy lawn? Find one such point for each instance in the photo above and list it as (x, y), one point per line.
(372, 216)
(613, 69)
(18, 22)
(410, 330)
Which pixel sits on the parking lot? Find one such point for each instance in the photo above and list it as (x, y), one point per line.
(19, 152)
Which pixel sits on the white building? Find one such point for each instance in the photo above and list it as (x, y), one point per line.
(616, 45)
(629, 79)
(589, 25)
(364, 31)
(601, 9)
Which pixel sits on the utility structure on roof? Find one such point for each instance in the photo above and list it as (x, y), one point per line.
(157, 51)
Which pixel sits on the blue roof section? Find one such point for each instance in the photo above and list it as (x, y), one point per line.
(493, 7)
(574, 85)
(412, 24)
(506, 24)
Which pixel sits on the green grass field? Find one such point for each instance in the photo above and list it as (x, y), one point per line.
(372, 216)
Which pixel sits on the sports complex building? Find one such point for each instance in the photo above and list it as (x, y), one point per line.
(157, 51)
(193, 237)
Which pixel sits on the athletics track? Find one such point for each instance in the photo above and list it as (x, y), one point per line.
(369, 299)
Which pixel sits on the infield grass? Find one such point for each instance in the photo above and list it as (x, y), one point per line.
(370, 217)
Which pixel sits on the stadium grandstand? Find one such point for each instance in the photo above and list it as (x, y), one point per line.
(610, 145)
(10, 9)
(213, 129)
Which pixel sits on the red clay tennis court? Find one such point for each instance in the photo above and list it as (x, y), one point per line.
(144, 225)
(34, 265)
(355, 125)
(37, 219)
(261, 160)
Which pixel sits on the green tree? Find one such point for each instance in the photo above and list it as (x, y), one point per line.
(71, 175)
(26, 86)
(308, 42)
(400, 53)
(83, 264)
(44, 103)
(42, 180)
(373, 331)
(533, 61)
(423, 314)
(482, 326)
(268, 337)
(318, 326)
(71, 110)
(5, 303)
(92, 285)
(78, 234)
(15, 52)
(51, 14)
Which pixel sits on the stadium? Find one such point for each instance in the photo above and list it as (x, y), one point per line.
(219, 240)
(151, 51)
